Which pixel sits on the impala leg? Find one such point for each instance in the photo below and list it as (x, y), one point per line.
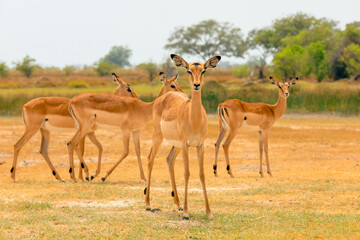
(45, 138)
(217, 146)
(28, 134)
(200, 156)
(261, 152)
(74, 144)
(126, 139)
(226, 146)
(154, 149)
(94, 140)
(185, 154)
(82, 149)
(136, 138)
(266, 153)
(171, 164)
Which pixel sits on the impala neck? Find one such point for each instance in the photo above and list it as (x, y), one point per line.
(196, 109)
(280, 106)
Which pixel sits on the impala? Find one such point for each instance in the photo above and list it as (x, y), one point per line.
(183, 123)
(91, 110)
(234, 113)
(46, 113)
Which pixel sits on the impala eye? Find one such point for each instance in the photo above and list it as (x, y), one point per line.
(129, 89)
(189, 72)
(279, 87)
(203, 72)
(172, 86)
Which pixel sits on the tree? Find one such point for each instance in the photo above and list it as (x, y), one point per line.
(4, 70)
(314, 61)
(26, 66)
(287, 62)
(68, 69)
(351, 58)
(118, 55)
(264, 41)
(150, 68)
(207, 39)
(104, 68)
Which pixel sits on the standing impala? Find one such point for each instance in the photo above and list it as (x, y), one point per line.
(45, 113)
(234, 113)
(90, 110)
(183, 123)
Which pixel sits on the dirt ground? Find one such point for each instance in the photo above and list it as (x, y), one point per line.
(315, 191)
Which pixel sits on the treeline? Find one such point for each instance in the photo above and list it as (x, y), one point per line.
(297, 45)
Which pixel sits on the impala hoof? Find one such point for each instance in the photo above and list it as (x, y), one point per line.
(87, 179)
(185, 218)
(103, 179)
(92, 177)
(181, 209)
(145, 191)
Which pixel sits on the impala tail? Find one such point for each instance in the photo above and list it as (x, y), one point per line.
(72, 114)
(223, 117)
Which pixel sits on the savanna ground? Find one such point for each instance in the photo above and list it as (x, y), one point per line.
(315, 191)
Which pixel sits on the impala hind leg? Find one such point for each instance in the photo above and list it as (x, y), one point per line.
(157, 139)
(126, 139)
(94, 140)
(45, 138)
(28, 134)
(217, 146)
(136, 138)
(226, 146)
(74, 144)
(82, 149)
(171, 165)
(200, 156)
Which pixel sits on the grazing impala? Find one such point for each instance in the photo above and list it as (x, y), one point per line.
(234, 113)
(45, 113)
(90, 110)
(183, 123)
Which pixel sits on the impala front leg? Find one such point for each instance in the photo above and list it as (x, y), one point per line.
(266, 153)
(171, 164)
(261, 152)
(157, 139)
(186, 177)
(200, 156)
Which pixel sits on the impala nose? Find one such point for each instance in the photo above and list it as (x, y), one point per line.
(196, 86)
(286, 94)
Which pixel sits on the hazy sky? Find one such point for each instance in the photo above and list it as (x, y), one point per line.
(67, 32)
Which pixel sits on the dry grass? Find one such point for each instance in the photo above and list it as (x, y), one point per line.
(315, 191)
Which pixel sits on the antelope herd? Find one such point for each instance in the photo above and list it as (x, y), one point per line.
(177, 119)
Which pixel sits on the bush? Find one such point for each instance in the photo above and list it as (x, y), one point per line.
(4, 71)
(78, 84)
(242, 71)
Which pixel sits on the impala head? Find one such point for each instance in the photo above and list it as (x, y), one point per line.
(124, 89)
(283, 86)
(169, 85)
(195, 70)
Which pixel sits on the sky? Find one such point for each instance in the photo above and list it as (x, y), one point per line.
(80, 32)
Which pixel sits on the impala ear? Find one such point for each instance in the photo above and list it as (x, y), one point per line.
(162, 77)
(273, 81)
(293, 81)
(176, 77)
(212, 62)
(179, 61)
(115, 78)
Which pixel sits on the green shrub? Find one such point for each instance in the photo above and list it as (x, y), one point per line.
(78, 84)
